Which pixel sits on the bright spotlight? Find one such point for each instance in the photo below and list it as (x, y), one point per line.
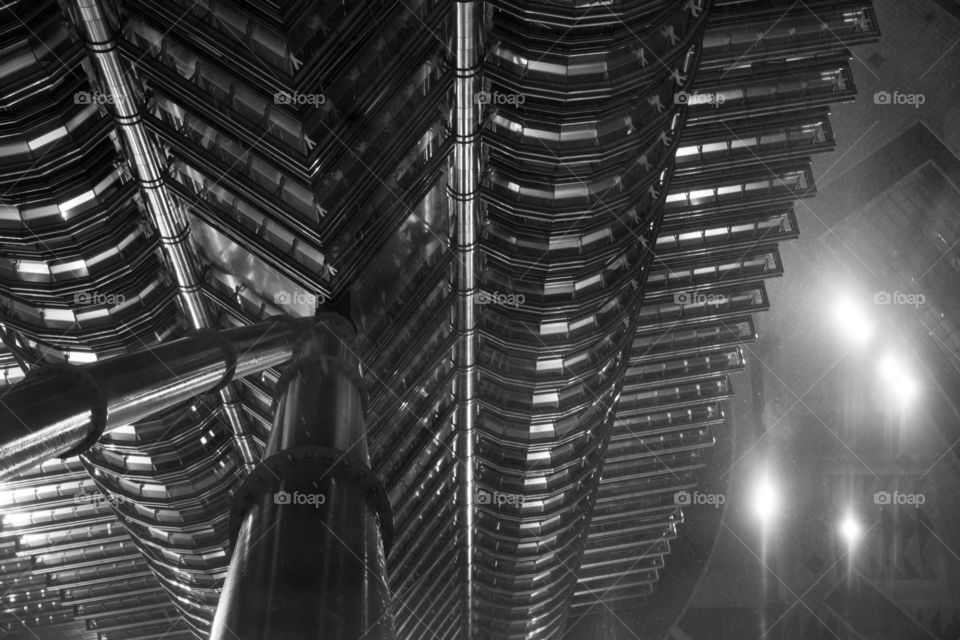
(853, 321)
(889, 367)
(906, 389)
(850, 529)
(766, 501)
(901, 385)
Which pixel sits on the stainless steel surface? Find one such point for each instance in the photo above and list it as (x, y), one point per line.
(149, 167)
(579, 148)
(316, 569)
(464, 188)
(41, 419)
(353, 195)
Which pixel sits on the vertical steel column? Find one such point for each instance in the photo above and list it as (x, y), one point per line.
(463, 190)
(308, 562)
(149, 165)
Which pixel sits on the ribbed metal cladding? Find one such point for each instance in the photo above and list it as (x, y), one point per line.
(674, 387)
(581, 132)
(463, 189)
(149, 167)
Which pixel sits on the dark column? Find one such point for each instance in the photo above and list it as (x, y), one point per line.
(309, 561)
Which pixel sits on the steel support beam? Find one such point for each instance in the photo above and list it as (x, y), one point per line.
(150, 168)
(61, 410)
(308, 561)
(464, 186)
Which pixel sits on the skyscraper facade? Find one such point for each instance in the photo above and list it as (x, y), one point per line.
(549, 222)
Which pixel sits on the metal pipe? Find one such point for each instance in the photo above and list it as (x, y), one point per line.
(463, 190)
(9, 339)
(309, 561)
(59, 410)
(150, 168)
